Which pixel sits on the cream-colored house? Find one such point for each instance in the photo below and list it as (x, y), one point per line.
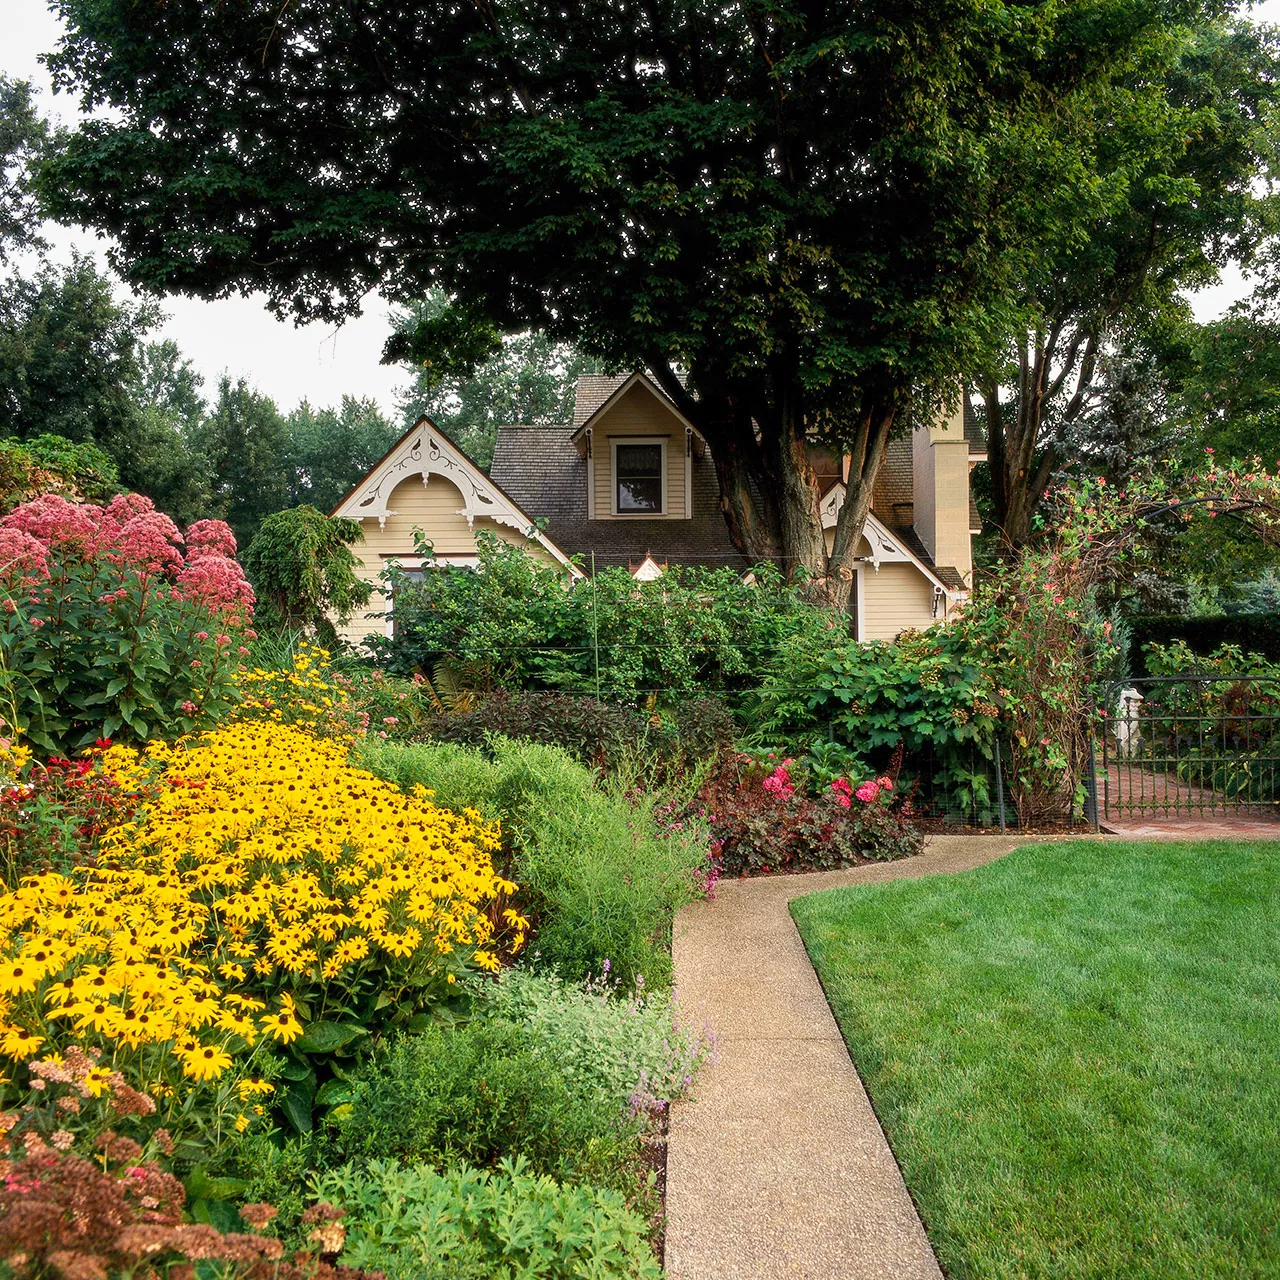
(631, 482)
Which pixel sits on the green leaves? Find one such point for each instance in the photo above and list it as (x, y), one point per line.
(328, 1037)
(303, 568)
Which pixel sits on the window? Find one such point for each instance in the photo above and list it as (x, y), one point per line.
(638, 477)
(414, 569)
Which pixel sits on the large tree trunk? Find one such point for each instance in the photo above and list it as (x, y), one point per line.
(769, 491)
(1022, 439)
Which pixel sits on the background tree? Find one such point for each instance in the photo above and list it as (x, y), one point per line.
(24, 136)
(69, 354)
(824, 214)
(1178, 154)
(304, 573)
(530, 381)
(329, 450)
(244, 437)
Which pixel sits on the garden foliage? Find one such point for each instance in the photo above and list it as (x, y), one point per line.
(304, 571)
(492, 1224)
(601, 877)
(627, 1046)
(269, 895)
(779, 816)
(481, 1092)
(519, 624)
(931, 696)
(607, 736)
(53, 464)
(69, 1217)
(1214, 718)
(114, 623)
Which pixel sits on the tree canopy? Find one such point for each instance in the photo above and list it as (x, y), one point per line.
(1179, 148)
(821, 213)
(528, 381)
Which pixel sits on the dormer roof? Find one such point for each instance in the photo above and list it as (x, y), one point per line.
(598, 393)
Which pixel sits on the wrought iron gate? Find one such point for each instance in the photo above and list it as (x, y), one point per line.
(1190, 746)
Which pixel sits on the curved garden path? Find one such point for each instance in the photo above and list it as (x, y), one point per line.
(778, 1167)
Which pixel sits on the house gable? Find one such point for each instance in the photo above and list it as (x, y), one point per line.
(425, 451)
(639, 450)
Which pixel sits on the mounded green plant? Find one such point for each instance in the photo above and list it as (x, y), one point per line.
(481, 1092)
(302, 567)
(495, 1224)
(600, 876)
(628, 1048)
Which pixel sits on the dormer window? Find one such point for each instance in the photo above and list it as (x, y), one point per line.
(639, 472)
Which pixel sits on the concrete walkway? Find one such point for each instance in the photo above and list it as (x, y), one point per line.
(778, 1167)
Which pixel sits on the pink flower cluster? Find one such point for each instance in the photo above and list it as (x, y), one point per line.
(779, 783)
(131, 533)
(870, 791)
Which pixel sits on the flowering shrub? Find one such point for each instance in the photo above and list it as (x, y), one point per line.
(309, 694)
(271, 894)
(762, 819)
(113, 624)
(53, 812)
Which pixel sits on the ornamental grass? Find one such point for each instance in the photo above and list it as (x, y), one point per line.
(269, 886)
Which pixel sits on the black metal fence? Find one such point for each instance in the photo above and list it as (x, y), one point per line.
(1190, 746)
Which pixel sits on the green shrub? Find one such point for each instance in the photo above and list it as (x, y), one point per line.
(514, 625)
(600, 876)
(630, 1050)
(304, 571)
(460, 777)
(503, 1224)
(929, 696)
(605, 736)
(481, 1092)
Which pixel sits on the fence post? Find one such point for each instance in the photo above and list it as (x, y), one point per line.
(1091, 789)
(595, 623)
(1000, 785)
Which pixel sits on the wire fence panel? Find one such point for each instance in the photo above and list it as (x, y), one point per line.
(1191, 746)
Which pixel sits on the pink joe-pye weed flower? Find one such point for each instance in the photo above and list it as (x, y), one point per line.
(210, 538)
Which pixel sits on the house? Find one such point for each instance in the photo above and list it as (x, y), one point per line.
(631, 482)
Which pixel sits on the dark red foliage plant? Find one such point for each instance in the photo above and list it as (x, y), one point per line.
(764, 819)
(72, 1218)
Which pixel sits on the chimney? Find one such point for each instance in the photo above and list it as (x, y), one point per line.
(940, 489)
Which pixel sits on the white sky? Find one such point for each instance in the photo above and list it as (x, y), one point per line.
(238, 335)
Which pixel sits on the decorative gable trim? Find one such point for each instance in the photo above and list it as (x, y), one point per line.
(424, 450)
(885, 547)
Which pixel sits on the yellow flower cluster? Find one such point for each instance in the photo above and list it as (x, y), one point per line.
(305, 695)
(267, 883)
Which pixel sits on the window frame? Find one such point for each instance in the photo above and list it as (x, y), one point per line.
(662, 442)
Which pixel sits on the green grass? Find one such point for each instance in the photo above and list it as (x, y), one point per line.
(1075, 1052)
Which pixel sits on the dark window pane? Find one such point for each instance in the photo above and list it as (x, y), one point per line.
(639, 493)
(639, 459)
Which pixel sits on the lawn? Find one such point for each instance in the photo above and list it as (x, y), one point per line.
(1075, 1053)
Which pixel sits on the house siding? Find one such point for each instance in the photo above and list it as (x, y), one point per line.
(434, 508)
(639, 413)
(896, 597)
